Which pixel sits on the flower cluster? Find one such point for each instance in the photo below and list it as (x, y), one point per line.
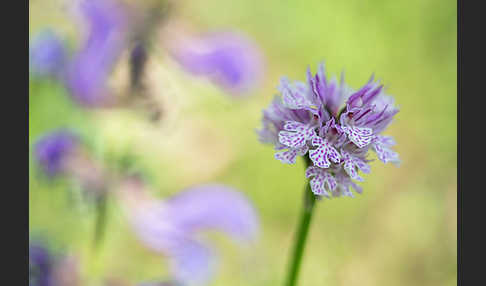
(307, 118)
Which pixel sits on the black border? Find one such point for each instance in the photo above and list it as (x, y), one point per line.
(470, 83)
(14, 212)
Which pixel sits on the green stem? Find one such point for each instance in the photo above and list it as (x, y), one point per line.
(300, 239)
(100, 222)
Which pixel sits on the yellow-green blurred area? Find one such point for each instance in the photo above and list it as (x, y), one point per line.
(400, 231)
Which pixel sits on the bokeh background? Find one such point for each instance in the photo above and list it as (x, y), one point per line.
(400, 231)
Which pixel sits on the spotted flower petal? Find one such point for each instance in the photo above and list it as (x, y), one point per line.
(322, 183)
(360, 136)
(324, 153)
(381, 145)
(345, 184)
(289, 156)
(294, 97)
(351, 163)
(296, 134)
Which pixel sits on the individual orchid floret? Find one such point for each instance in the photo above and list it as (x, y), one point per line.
(47, 54)
(382, 146)
(335, 125)
(345, 184)
(294, 96)
(289, 156)
(323, 182)
(172, 226)
(296, 134)
(324, 153)
(351, 163)
(361, 136)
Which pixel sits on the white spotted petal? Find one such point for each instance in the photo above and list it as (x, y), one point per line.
(350, 164)
(295, 134)
(323, 182)
(360, 136)
(289, 156)
(294, 97)
(324, 153)
(381, 145)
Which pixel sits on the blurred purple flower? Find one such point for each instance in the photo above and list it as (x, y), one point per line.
(91, 66)
(230, 60)
(40, 265)
(47, 54)
(52, 149)
(47, 269)
(170, 226)
(307, 119)
(165, 283)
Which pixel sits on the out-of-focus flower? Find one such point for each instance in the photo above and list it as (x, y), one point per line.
(52, 150)
(118, 282)
(308, 119)
(61, 152)
(45, 269)
(170, 226)
(159, 284)
(92, 64)
(47, 54)
(40, 265)
(230, 60)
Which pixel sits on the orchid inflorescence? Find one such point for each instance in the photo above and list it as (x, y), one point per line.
(307, 119)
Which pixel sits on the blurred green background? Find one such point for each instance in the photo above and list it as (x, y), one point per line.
(400, 231)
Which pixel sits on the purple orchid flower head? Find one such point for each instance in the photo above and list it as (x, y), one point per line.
(171, 226)
(106, 23)
(53, 148)
(47, 54)
(333, 125)
(230, 60)
(40, 265)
